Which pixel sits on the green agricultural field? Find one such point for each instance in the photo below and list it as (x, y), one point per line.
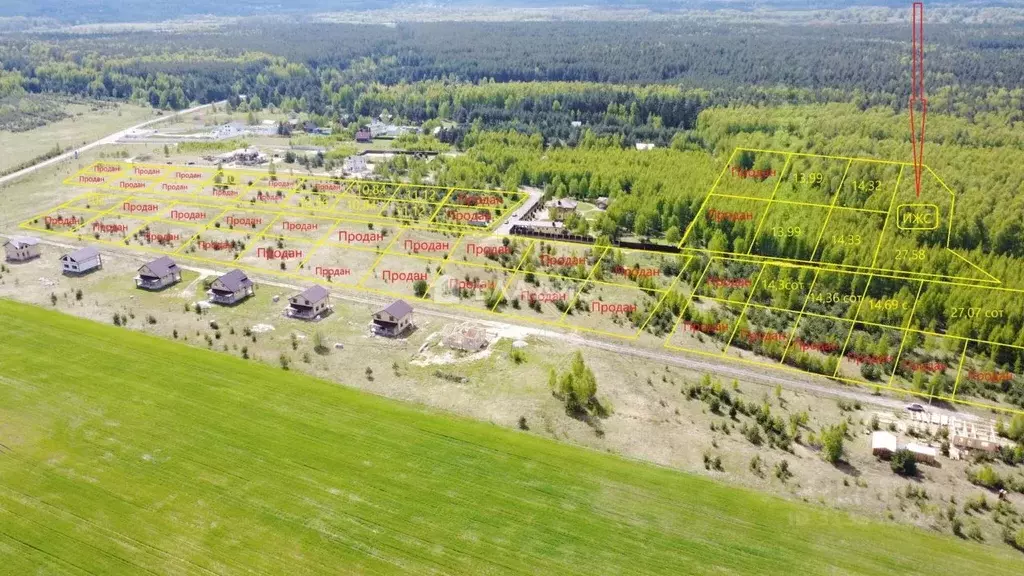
(126, 454)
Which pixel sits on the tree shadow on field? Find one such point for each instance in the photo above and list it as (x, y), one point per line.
(847, 468)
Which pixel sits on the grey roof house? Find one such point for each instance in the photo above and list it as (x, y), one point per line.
(311, 304)
(81, 261)
(231, 288)
(158, 274)
(393, 320)
(21, 248)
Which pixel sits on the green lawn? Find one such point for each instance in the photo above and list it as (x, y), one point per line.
(127, 454)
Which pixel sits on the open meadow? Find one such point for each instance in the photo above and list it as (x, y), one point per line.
(87, 121)
(122, 453)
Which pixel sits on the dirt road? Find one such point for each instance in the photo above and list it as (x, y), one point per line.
(723, 368)
(111, 139)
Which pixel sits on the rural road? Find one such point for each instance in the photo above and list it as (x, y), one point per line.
(111, 139)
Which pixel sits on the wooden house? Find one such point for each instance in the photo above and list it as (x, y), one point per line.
(158, 274)
(393, 320)
(231, 288)
(311, 304)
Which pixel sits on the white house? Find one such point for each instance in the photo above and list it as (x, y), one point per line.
(81, 261)
(158, 274)
(21, 248)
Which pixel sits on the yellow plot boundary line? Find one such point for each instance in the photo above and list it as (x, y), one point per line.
(583, 284)
(861, 383)
(739, 319)
(959, 370)
(796, 324)
(259, 235)
(689, 228)
(906, 333)
(661, 302)
(689, 301)
(205, 228)
(504, 290)
(443, 264)
(667, 343)
(376, 262)
(795, 203)
(853, 324)
(775, 190)
(832, 206)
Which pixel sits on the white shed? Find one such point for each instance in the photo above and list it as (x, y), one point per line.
(883, 444)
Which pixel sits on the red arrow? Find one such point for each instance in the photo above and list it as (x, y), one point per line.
(917, 93)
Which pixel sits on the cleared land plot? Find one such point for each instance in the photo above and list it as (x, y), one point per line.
(241, 467)
(407, 203)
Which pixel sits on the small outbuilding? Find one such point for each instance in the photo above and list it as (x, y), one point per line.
(158, 274)
(311, 304)
(923, 453)
(231, 288)
(883, 444)
(81, 261)
(394, 320)
(21, 248)
(364, 136)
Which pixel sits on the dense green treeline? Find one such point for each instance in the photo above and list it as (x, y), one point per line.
(326, 68)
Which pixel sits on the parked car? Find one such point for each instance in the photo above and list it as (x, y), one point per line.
(915, 407)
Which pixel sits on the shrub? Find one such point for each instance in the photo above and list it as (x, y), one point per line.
(756, 466)
(714, 405)
(832, 439)
(522, 423)
(958, 527)
(306, 357)
(903, 462)
(752, 434)
(319, 343)
(175, 333)
(419, 288)
(78, 294)
(985, 476)
(517, 355)
(53, 299)
(245, 352)
(284, 361)
(117, 319)
(782, 471)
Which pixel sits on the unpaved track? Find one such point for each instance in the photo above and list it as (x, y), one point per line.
(724, 368)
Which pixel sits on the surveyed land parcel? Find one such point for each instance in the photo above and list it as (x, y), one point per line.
(767, 272)
(116, 463)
